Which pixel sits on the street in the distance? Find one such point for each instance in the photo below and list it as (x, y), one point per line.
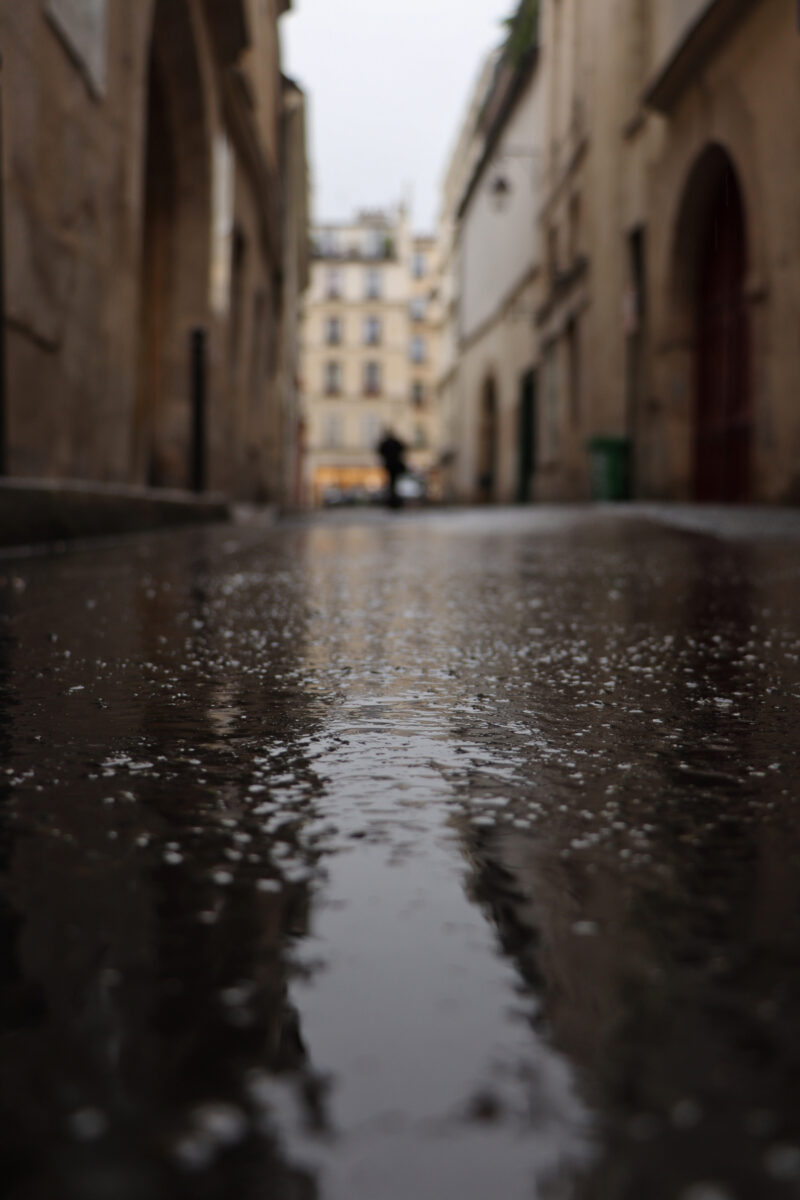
(374, 856)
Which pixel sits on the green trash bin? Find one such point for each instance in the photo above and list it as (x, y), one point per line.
(610, 467)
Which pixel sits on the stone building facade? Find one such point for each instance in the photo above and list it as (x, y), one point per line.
(369, 348)
(424, 310)
(491, 248)
(721, 419)
(673, 245)
(499, 270)
(466, 152)
(148, 207)
(561, 324)
(668, 309)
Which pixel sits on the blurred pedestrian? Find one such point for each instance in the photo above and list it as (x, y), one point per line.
(392, 451)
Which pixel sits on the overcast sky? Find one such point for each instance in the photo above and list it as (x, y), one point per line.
(387, 82)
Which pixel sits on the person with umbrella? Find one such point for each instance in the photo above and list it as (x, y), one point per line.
(392, 452)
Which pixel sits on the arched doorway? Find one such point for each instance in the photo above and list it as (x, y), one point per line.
(722, 406)
(176, 224)
(487, 443)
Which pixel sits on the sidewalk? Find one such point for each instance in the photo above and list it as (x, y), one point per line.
(36, 510)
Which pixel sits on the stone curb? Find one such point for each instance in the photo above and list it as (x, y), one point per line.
(33, 510)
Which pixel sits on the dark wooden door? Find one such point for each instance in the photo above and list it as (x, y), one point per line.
(487, 444)
(527, 436)
(723, 413)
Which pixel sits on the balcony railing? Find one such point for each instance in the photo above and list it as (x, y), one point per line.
(387, 253)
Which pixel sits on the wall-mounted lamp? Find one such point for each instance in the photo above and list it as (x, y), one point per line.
(500, 187)
(499, 190)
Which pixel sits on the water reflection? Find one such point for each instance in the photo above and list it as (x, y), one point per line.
(22, 1002)
(433, 858)
(438, 1086)
(654, 914)
(158, 915)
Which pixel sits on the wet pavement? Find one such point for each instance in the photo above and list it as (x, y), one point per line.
(421, 856)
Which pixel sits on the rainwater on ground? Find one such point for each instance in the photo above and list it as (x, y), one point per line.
(403, 857)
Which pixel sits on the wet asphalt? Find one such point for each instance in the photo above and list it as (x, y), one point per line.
(404, 857)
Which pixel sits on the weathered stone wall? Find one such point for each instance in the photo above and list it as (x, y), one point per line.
(111, 111)
(286, 441)
(742, 102)
(567, 224)
(622, 141)
(72, 225)
(500, 356)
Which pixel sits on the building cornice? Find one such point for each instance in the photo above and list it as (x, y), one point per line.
(714, 23)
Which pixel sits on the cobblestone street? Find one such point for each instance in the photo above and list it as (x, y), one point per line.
(389, 856)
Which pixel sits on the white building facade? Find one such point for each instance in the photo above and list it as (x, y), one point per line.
(369, 339)
(499, 260)
(490, 234)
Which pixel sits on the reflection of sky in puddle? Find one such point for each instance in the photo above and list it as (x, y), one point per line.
(413, 1015)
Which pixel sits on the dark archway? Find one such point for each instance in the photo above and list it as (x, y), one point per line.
(526, 437)
(713, 245)
(176, 237)
(723, 419)
(487, 443)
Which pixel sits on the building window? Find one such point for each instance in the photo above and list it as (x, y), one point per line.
(374, 243)
(574, 227)
(258, 342)
(638, 52)
(372, 431)
(332, 431)
(236, 308)
(372, 378)
(552, 255)
(418, 350)
(372, 331)
(333, 378)
(334, 284)
(418, 394)
(84, 29)
(574, 370)
(329, 243)
(418, 308)
(420, 437)
(222, 223)
(372, 284)
(418, 265)
(333, 331)
(552, 390)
